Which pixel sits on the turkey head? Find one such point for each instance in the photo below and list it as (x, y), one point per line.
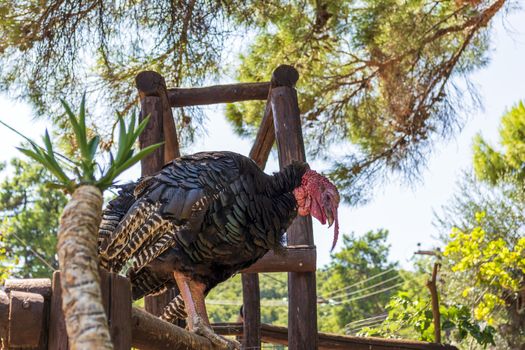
(319, 197)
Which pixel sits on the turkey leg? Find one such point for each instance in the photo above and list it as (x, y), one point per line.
(193, 294)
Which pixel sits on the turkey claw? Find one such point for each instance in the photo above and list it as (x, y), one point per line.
(200, 328)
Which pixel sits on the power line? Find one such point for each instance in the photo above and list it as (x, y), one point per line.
(358, 283)
(371, 294)
(275, 279)
(367, 324)
(364, 320)
(280, 303)
(33, 251)
(366, 288)
(266, 303)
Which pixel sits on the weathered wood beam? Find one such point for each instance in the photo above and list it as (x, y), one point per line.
(251, 294)
(152, 333)
(302, 310)
(251, 311)
(26, 319)
(182, 97)
(328, 341)
(301, 258)
(116, 298)
(264, 139)
(22, 320)
(282, 76)
(436, 316)
(40, 286)
(4, 317)
(155, 102)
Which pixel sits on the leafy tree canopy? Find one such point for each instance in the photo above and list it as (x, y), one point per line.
(484, 224)
(30, 212)
(410, 314)
(376, 74)
(495, 166)
(484, 255)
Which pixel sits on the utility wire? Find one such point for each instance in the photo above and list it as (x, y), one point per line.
(358, 283)
(275, 279)
(277, 303)
(384, 315)
(367, 288)
(33, 251)
(357, 329)
(371, 294)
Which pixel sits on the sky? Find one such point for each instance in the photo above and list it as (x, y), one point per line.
(407, 211)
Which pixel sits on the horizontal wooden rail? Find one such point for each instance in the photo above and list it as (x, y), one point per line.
(298, 258)
(40, 286)
(279, 335)
(24, 309)
(181, 97)
(152, 333)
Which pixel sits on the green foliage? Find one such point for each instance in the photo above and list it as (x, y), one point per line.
(346, 286)
(482, 265)
(410, 316)
(83, 166)
(224, 301)
(373, 73)
(30, 210)
(493, 166)
(484, 224)
(59, 46)
(494, 267)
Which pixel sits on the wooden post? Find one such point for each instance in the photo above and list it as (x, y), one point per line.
(36, 287)
(251, 295)
(431, 285)
(302, 309)
(4, 317)
(154, 102)
(116, 297)
(152, 333)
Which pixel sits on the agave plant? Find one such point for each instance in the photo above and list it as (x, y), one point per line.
(85, 180)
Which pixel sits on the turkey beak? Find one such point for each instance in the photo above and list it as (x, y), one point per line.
(329, 216)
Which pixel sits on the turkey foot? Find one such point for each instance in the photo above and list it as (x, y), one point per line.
(201, 328)
(193, 295)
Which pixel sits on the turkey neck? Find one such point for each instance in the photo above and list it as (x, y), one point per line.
(286, 180)
(280, 189)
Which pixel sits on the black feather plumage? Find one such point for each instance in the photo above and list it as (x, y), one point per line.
(208, 215)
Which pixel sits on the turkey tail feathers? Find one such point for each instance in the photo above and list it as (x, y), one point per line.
(112, 215)
(175, 310)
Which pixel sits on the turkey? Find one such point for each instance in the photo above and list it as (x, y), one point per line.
(203, 218)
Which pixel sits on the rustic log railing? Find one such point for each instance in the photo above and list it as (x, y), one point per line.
(281, 122)
(30, 313)
(328, 341)
(30, 310)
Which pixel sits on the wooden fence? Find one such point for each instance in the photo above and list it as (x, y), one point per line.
(30, 310)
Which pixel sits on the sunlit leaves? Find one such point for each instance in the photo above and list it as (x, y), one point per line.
(376, 74)
(493, 165)
(82, 168)
(30, 210)
(497, 266)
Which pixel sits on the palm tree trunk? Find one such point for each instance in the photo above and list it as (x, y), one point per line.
(86, 322)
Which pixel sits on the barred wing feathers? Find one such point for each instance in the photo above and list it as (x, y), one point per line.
(169, 210)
